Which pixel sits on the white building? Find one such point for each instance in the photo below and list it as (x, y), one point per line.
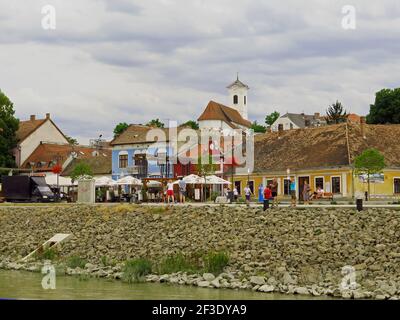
(32, 133)
(297, 121)
(217, 116)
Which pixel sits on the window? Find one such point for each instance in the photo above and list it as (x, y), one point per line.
(123, 160)
(396, 182)
(286, 187)
(245, 99)
(335, 184)
(235, 99)
(238, 187)
(141, 162)
(319, 182)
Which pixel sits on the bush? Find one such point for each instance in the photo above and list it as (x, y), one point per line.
(215, 262)
(75, 262)
(157, 210)
(333, 202)
(176, 263)
(47, 254)
(135, 270)
(214, 195)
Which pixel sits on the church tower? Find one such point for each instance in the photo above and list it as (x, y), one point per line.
(238, 97)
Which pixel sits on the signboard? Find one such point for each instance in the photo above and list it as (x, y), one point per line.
(196, 194)
(86, 191)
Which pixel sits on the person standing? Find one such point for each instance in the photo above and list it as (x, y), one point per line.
(267, 196)
(235, 194)
(170, 191)
(293, 191)
(274, 191)
(306, 192)
(182, 190)
(247, 193)
(260, 193)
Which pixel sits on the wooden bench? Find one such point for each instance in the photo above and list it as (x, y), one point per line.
(325, 196)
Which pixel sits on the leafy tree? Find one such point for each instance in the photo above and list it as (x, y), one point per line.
(81, 169)
(192, 124)
(386, 108)
(258, 128)
(271, 118)
(72, 140)
(205, 169)
(371, 161)
(8, 129)
(156, 123)
(119, 128)
(336, 113)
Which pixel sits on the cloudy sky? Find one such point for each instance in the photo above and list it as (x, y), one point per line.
(111, 61)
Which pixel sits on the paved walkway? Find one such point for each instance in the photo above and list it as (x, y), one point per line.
(202, 204)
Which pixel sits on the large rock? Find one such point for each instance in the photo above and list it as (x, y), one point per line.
(256, 280)
(208, 276)
(266, 288)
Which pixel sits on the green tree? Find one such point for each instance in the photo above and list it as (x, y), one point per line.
(370, 162)
(72, 140)
(155, 123)
(8, 129)
(192, 124)
(386, 108)
(271, 118)
(80, 170)
(119, 128)
(258, 128)
(205, 167)
(336, 113)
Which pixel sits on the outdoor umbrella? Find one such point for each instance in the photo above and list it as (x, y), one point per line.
(104, 182)
(129, 180)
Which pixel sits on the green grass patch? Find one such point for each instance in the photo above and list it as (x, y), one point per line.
(75, 262)
(215, 262)
(135, 270)
(178, 262)
(47, 254)
(107, 262)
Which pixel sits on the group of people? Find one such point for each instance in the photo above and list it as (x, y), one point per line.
(170, 194)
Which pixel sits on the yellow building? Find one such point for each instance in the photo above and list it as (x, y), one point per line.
(324, 157)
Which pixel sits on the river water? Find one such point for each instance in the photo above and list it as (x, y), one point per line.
(27, 285)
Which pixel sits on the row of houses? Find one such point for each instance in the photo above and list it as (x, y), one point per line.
(321, 154)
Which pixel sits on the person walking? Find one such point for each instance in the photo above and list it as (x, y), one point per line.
(274, 191)
(293, 191)
(182, 190)
(267, 196)
(170, 191)
(306, 192)
(247, 193)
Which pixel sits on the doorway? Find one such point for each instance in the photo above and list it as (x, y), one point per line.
(301, 186)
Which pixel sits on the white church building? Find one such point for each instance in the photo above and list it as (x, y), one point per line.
(217, 116)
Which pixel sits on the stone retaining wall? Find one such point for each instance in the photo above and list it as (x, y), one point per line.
(300, 251)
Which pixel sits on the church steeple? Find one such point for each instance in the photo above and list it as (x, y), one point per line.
(238, 96)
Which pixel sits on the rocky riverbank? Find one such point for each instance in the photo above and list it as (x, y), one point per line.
(284, 250)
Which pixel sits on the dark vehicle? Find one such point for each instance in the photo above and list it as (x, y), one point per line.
(26, 189)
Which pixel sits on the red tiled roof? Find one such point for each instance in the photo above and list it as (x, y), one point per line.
(46, 154)
(217, 111)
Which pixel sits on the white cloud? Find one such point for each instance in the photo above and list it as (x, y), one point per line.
(110, 61)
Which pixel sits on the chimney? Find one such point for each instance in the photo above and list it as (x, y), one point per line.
(33, 117)
(362, 126)
(47, 115)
